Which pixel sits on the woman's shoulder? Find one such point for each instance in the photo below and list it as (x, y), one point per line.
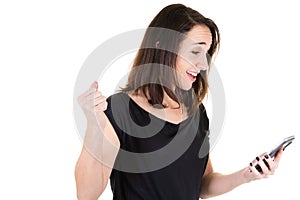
(117, 108)
(119, 98)
(202, 108)
(203, 115)
(118, 104)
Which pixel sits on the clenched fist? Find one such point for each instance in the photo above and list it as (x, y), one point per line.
(93, 103)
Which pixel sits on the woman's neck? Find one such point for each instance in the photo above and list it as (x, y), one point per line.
(172, 113)
(167, 101)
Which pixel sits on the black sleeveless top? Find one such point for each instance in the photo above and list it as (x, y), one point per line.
(157, 160)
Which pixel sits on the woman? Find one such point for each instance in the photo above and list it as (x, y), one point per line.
(159, 113)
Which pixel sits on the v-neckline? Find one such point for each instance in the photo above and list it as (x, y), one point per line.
(155, 116)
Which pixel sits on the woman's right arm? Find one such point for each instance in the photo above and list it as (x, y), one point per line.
(100, 147)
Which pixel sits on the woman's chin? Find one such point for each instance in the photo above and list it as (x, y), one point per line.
(185, 86)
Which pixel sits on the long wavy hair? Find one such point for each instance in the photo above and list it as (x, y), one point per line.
(153, 70)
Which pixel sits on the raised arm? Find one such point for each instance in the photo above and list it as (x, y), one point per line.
(100, 147)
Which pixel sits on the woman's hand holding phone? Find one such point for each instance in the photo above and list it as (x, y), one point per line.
(266, 164)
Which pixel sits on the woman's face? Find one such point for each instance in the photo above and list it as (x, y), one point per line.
(191, 58)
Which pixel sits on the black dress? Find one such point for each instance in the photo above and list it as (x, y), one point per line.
(158, 160)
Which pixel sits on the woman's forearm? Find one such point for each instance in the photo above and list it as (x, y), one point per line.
(95, 163)
(216, 184)
(89, 175)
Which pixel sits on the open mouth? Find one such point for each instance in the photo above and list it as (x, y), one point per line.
(192, 75)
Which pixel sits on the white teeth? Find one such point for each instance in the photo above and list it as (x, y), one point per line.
(192, 73)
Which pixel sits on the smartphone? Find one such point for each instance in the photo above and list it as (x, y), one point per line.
(286, 142)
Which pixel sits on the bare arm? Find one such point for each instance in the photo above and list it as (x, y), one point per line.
(100, 148)
(214, 184)
(91, 177)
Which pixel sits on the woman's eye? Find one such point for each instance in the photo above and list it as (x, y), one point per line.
(195, 52)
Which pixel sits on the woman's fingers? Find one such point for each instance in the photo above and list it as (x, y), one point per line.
(95, 85)
(96, 103)
(99, 100)
(91, 90)
(278, 156)
(253, 171)
(101, 107)
(92, 100)
(263, 166)
(94, 95)
(258, 167)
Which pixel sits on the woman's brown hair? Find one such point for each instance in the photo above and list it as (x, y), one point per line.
(151, 74)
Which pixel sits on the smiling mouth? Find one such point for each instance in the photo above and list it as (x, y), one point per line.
(192, 75)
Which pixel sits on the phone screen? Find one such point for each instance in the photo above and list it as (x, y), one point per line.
(286, 142)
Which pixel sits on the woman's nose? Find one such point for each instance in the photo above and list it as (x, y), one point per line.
(202, 63)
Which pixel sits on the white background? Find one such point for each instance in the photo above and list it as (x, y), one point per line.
(44, 43)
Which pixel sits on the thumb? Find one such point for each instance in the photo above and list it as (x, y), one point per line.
(279, 154)
(95, 85)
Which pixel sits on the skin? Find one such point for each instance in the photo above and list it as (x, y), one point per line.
(92, 176)
(192, 54)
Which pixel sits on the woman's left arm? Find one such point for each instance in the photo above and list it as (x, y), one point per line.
(214, 184)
